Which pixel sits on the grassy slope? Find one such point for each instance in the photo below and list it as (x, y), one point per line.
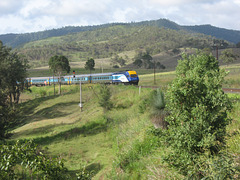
(96, 139)
(57, 124)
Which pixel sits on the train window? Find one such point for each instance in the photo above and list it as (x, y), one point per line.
(133, 75)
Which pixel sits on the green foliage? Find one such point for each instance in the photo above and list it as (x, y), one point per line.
(7, 116)
(129, 160)
(29, 157)
(158, 111)
(104, 98)
(228, 56)
(219, 167)
(84, 174)
(58, 64)
(13, 71)
(198, 106)
(118, 61)
(146, 102)
(90, 64)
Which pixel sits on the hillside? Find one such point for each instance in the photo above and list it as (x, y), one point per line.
(111, 41)
(17, 40)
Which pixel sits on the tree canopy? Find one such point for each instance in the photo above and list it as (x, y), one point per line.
(58, 64)
(228, 56)
(90, 64)
(13, 73)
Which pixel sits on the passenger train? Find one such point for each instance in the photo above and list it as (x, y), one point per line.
(123, 77)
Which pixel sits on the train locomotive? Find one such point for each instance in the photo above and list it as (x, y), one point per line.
(123, 77)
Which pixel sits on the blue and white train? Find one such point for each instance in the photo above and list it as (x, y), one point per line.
(123, 77)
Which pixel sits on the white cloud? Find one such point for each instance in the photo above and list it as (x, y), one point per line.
(36, 15)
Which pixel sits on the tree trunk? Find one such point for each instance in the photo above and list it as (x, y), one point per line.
(59, 90)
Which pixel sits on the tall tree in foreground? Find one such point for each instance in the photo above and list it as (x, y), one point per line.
(58, 64)
(198, 119)
(13, 72)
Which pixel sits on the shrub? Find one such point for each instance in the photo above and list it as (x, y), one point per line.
(158, 111)
(28, 157)
(198, 106)
(104, 98)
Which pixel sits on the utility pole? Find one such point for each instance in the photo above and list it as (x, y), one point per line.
(154, 70)
(80, 104)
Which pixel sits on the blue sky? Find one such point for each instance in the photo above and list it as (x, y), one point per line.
(22, 16)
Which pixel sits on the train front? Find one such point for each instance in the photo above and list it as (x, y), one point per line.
(132, 77)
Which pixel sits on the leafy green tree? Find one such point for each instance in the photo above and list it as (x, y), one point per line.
(228, 56)
(199, 107)
(57, 65)
(89, 65)
(13, 72)
(147, 58)
(143, 60)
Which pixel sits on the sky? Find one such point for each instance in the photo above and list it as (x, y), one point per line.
(23, 16)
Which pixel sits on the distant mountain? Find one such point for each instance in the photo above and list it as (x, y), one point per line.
(220, 33)
(17, 40)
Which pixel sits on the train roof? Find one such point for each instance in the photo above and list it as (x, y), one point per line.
(82, 75)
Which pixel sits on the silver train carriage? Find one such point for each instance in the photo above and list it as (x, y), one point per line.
(123, 77)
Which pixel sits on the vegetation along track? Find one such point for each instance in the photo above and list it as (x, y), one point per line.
(227, 90)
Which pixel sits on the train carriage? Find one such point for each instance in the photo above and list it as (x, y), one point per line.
(123, 77)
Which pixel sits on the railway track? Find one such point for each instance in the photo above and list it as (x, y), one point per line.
(226, 90)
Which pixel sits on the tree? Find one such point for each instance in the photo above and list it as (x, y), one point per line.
(13, 72)
(146, 58)
(90, 64)
(198, 113)
(228, 56)
(118, 60)
(57, 65)
(238, 45)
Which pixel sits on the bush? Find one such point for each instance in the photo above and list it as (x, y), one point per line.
(158, 111)
(28, 157)
(104, 98)
(198, 106)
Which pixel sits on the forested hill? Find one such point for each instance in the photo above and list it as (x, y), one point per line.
(14, 40)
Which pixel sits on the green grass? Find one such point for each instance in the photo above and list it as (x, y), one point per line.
(92, 137)
(233, 139)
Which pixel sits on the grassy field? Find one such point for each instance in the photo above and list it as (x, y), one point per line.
(89, 137)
